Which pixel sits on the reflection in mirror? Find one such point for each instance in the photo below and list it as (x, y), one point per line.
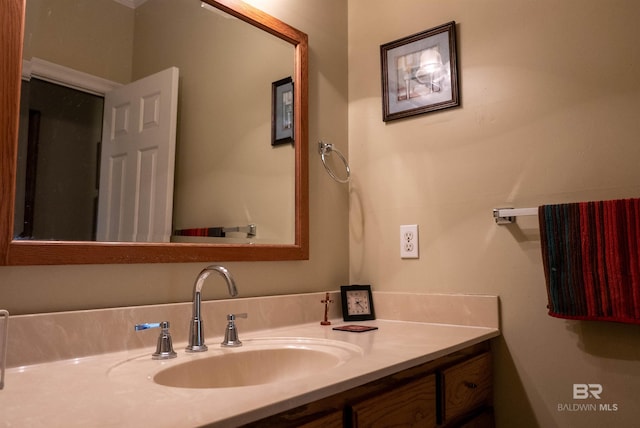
(86, 172)
(226, 171)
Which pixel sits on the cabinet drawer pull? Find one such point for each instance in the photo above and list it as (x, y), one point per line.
(470, 385)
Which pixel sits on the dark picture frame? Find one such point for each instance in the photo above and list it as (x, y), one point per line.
(282, 118)
(420, 73)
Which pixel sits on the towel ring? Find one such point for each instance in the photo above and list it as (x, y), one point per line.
(325, 149)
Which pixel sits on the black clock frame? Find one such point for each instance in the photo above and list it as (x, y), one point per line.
(344, 289)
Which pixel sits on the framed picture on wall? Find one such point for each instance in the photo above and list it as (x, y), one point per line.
(282, 112)
(420, 73)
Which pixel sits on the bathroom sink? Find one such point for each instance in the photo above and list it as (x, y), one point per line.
(257, 362)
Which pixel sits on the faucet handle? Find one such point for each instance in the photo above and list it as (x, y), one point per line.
(231, 339)
(148, 325)
(164, 347)
(232, 317)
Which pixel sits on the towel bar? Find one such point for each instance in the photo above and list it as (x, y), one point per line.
(508, 215)
(250, 230)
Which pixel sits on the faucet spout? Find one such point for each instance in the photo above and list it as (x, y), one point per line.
(196, 331)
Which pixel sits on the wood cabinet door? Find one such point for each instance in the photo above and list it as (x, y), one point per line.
(467, 386)
(332, 420)
(409, 405)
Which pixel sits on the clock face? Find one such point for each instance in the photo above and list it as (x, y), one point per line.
(358, 302)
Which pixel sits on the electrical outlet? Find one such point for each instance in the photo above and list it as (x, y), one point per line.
(409, 241)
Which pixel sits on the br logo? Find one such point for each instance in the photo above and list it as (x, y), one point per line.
(582, 391)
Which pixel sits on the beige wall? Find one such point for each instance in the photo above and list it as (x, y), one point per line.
(94, 37)
(550, 108)
(56, 288)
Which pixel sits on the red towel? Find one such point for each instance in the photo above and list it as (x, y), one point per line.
(217, 232)
(591, 259)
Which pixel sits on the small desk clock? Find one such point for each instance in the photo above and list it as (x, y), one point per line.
(357, 303)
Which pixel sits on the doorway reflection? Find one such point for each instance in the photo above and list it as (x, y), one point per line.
(58, 162)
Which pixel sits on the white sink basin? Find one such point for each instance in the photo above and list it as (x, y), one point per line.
(257, 362)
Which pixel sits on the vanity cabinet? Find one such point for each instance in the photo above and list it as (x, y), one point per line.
(413, 404)
(451, 391)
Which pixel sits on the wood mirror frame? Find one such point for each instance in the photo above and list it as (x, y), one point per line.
(16, 252)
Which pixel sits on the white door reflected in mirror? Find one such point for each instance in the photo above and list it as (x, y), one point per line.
(137, 161)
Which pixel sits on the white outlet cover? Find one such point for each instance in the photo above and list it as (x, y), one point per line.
(409, 242)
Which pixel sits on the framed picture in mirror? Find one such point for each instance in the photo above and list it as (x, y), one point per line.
(282, 112)
(420, 73)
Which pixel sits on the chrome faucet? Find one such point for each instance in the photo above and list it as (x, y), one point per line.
(196, 334)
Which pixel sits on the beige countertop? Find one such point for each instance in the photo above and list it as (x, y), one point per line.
(89, 369)
(81, 392)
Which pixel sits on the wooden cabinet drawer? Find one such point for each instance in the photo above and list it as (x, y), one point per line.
(332, 420)
(466, 386)
(409, 405)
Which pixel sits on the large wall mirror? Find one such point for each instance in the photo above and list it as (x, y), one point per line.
(145, 131)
